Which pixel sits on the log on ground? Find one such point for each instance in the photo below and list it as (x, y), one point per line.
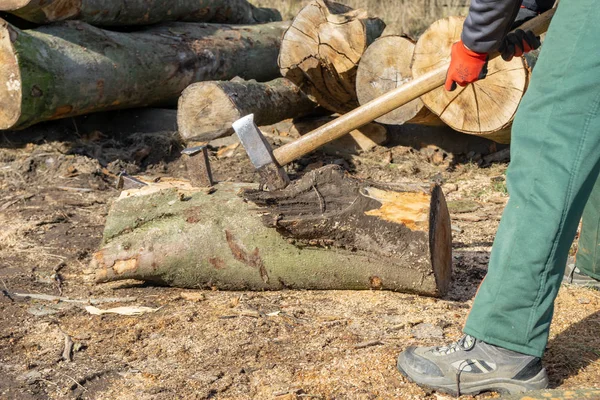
(207, 110)
(485, 108)
(72, 68)
(384, 67)
(321, 50)
(139, 12)
(324, 232)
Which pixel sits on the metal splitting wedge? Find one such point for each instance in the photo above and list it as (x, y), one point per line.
(270, 163)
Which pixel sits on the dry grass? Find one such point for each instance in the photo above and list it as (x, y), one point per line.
(401, 16)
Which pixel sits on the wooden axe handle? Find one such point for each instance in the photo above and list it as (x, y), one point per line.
(383, 104)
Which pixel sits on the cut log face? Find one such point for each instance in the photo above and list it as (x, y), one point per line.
(324, 232)
(207, 110)
(10, 77)
(321, 50)
(10, 5)
(385, 66)
(484, 108)
(72, 68)
(139, 12)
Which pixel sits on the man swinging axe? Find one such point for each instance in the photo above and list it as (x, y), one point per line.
(555, 164)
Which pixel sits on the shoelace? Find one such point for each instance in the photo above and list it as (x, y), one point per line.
(464, 343)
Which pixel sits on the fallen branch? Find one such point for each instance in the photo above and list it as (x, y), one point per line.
(47, 297)
(67, 353)
(368, 344)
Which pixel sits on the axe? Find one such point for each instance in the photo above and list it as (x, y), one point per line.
(269, 163)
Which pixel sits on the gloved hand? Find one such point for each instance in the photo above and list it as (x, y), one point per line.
(466, 66)
(518, 43)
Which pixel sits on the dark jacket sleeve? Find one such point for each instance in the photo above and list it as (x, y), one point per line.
(489, 21)
(539, 6)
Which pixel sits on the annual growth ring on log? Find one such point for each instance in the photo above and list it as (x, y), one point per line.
(72, 68)
(139, 12)
(385, 66)
(325, 231)
(485, 108)
(321, 50)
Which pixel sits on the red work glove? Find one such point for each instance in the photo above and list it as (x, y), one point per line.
(466, 66)
(517, 43)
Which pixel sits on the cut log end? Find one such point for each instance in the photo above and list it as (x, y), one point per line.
(10, 5)
(483, 108)
(321, 50)
(10, 78)
(440, 240)
(220, 111)
(386, 66)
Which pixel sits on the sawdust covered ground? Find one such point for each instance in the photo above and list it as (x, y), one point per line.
(56, 187)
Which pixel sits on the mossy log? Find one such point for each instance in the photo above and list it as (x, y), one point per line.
(139, 12)
(325, 231)
(321, 50)
(485, 108)
(72, 68)
(386, 66)
(207, 110)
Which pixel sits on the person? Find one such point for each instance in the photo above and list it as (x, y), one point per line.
(555, 164)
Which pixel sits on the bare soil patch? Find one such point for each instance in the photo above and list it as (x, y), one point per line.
(56, 188)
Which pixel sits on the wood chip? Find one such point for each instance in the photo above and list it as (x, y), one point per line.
(130, 311)
(192, 296)
(467, 217)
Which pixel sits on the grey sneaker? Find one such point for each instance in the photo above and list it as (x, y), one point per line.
(471, 366)
(573, 276)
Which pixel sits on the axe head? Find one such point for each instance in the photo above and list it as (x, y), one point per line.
(273, 176)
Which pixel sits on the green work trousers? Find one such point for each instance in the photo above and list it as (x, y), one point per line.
(588, 247)
(555, 162)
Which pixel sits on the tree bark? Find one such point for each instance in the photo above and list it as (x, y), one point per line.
(208, 109)
(139, 12)
(485, 108)
(72, 68)
(324, 232)
(386, 66)
(321, 50)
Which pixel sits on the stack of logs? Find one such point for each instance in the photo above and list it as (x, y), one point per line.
(85, 57)
(224, 59)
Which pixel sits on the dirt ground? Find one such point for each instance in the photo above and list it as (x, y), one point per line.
(57, 184)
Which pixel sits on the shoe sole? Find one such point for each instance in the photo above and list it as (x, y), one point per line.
(502, 386)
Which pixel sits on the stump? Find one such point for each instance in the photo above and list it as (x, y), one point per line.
(324, 232)
(139, 12)
(385, 66)
(72, 68)
(207, 110)
(321, 50)
(485, 108)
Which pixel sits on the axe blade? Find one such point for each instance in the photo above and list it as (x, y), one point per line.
(260, 153)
